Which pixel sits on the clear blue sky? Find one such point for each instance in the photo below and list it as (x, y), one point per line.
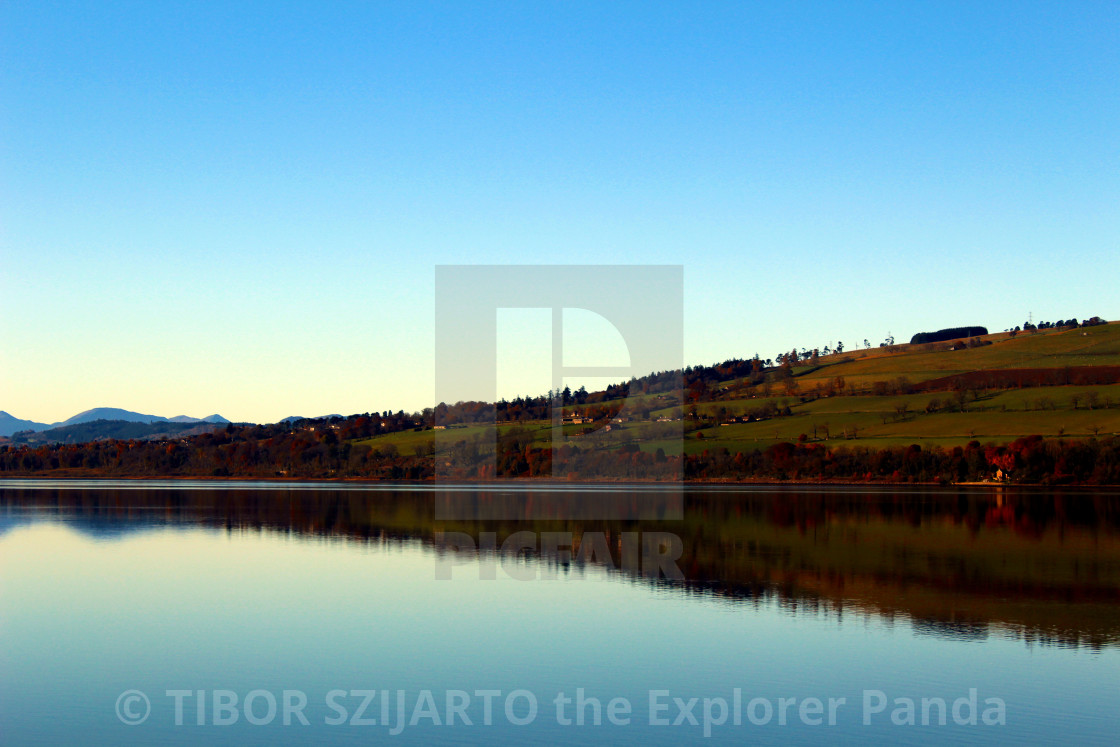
(238, 207)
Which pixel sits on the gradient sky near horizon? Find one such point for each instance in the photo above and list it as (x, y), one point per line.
(238, 207)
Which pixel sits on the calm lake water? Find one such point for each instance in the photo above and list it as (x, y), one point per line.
(159, 602)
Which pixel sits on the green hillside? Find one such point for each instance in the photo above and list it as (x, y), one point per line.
(863, 397)
(1088, 346)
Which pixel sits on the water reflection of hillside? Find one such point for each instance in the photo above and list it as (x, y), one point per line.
(1043, 567)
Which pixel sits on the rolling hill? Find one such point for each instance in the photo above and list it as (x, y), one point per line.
(1056, 383)
(1043, 406)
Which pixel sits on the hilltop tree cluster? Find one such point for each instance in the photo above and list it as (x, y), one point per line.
(1067, 324)
(944, 335)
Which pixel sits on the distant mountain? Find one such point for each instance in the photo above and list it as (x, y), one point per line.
(108, 413)
(93, 430)
(115, 413)
(10, 424)
(189, 419)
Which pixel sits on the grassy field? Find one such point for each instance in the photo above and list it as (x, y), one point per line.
(944, 428)
(1091, 346)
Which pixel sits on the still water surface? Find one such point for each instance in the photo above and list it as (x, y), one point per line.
(329, 592)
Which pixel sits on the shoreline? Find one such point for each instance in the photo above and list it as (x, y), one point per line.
(760, 482)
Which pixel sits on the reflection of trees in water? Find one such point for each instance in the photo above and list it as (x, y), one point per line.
(1040, 566)
(967, 630)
